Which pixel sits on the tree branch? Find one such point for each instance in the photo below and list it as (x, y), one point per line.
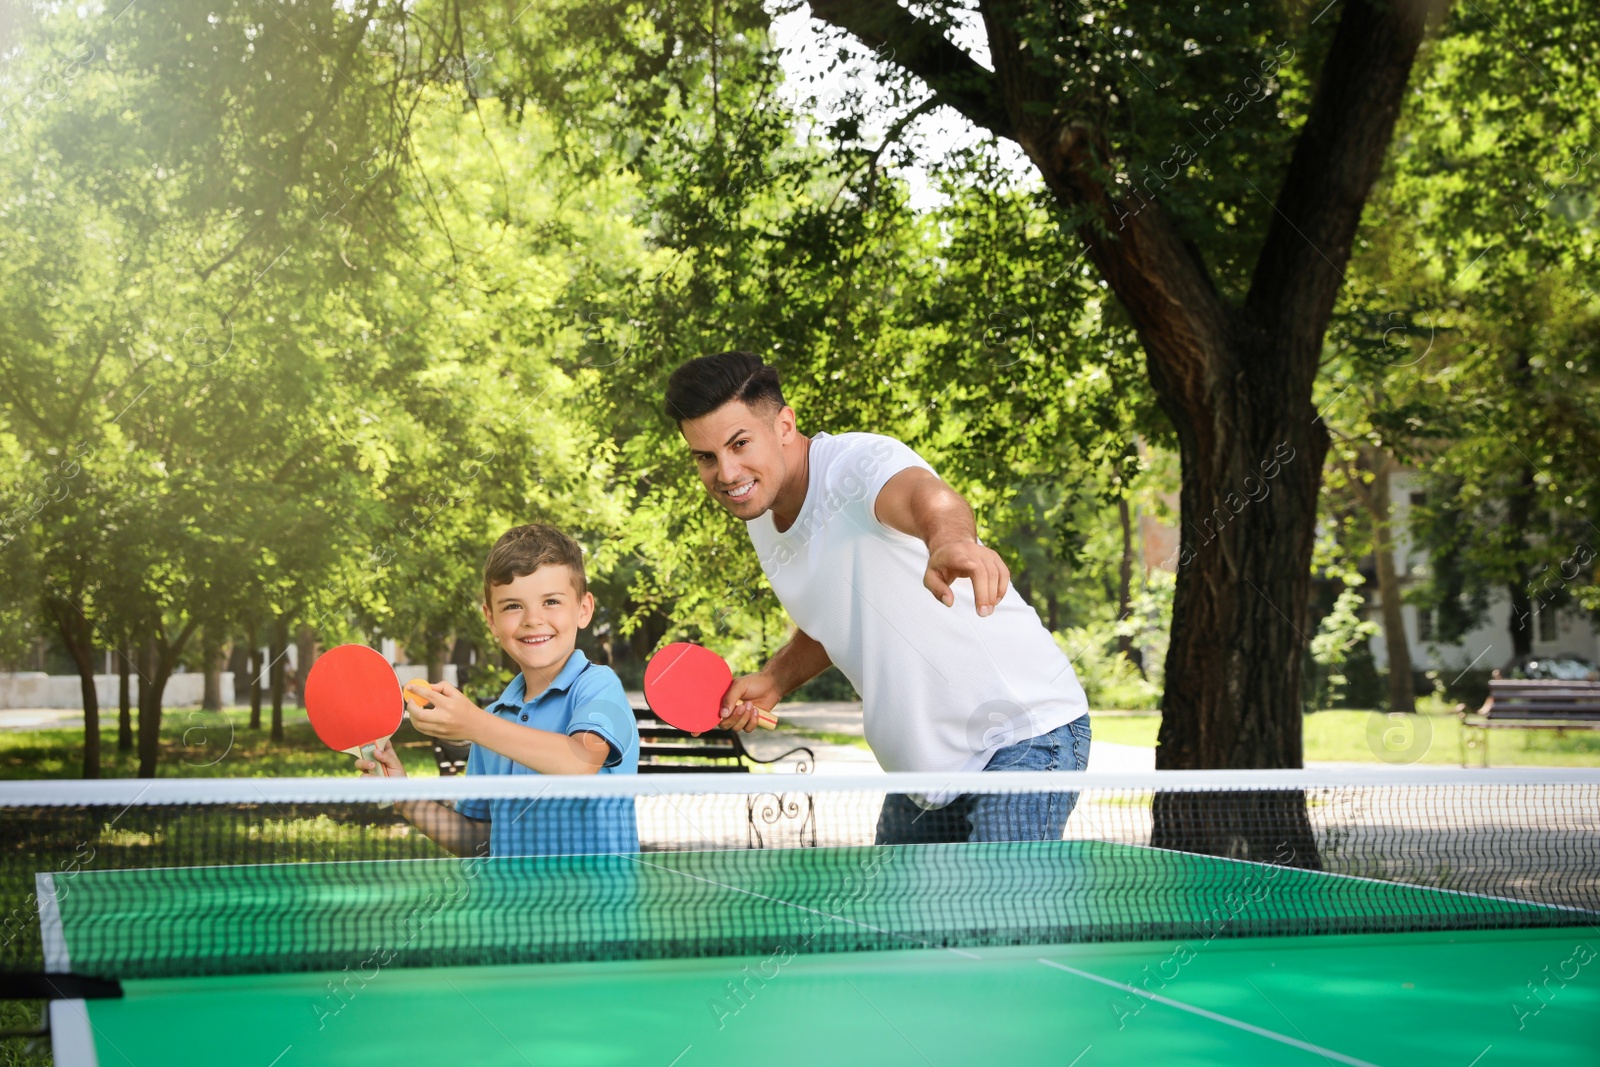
(1336, 160)
(920, 49)
(1159, 278)
(894, 134)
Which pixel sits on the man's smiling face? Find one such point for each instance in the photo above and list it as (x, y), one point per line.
(738, 451)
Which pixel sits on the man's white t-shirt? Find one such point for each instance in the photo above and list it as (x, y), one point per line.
(942, 688)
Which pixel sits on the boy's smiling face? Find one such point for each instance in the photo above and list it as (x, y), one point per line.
(536, 619)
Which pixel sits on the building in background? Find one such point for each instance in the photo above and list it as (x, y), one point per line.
(1557, 631)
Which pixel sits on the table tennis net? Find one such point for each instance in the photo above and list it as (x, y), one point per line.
(197, 878)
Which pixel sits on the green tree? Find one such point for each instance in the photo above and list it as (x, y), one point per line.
(1473, 300)
(1232, 335)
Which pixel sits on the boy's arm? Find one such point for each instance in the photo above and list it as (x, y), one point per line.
(453, 715)
(542, 750)
(446, 827)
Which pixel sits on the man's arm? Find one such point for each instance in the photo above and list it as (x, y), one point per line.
(916, 502)
(795, 664)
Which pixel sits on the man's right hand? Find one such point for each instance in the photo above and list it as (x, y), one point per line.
(387, 757)
(746, 698)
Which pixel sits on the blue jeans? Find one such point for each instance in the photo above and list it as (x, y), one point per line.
(996, 816)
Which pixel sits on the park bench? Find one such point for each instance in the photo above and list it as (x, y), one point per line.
(714, 750)
(1529, 705)
(663, 749)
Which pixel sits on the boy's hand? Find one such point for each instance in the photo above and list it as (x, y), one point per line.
(453, 717)
(746, 698)
(392, 767)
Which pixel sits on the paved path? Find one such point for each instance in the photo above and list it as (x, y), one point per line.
(797, 719)
(46, 718)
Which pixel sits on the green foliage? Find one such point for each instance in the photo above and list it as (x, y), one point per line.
(831, 684)
(1464, 343)
(1338, 636)
(1109, 678)
(323, 415)
(296, 318)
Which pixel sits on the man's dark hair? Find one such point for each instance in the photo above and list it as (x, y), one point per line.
(522, 550)
(703, 385)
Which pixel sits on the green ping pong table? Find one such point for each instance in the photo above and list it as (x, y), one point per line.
(1391, 999)
(1044, 952)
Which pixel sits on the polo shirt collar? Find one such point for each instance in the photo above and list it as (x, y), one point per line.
(517, 692)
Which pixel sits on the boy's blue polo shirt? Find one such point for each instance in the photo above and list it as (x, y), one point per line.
(584, 697)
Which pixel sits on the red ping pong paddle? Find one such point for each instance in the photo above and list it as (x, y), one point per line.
(353, 700)
(684, 685)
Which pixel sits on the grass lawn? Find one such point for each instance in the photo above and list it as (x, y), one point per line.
(218, 744)
(1376, 737)
(196, 744)
(23, 1015)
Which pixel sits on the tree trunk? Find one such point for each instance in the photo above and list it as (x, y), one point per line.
(77, 636)
(1519, 512)
(1522, 620)
(1402, 691)
(158, 660)
(150, 691)
(91, 722)
(1125, 643)
(1232, 697)
(1248, 511)
(276, 651)
(239, 664)
(212, 660)
(124, 697)
(1519, 508)
(1261, 825)
(255, 677)
(461, 653)
(305, 656)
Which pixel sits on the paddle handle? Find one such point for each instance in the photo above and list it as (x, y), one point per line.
(370, 752)
(765, 721)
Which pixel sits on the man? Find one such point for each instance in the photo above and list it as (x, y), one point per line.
(878, 563)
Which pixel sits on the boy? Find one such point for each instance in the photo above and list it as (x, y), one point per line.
(560, 715)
